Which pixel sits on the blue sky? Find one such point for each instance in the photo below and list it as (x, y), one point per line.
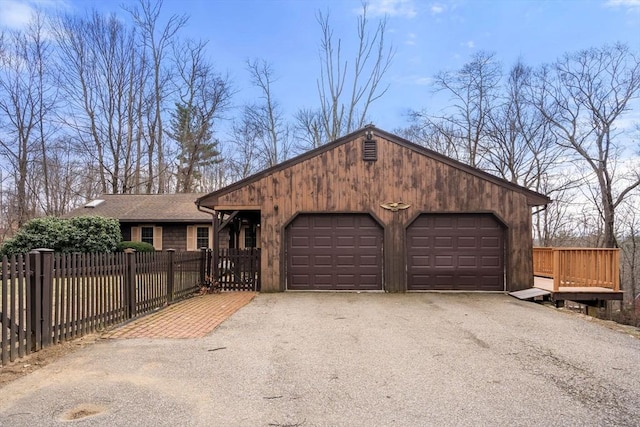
(429, 36)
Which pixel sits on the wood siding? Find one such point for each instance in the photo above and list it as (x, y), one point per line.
(339, 180)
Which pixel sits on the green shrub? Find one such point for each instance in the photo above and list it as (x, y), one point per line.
(93, 234)
(49, 232)
(81, 234)
(138, 246)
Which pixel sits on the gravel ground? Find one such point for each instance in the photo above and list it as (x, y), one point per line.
(347, 359)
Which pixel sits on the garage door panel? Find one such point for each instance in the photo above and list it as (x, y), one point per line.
(299, 279)
(467, 223)
(490, 261)
(322, 261)
(467, 242)
(443, 261)
(368, 242)
(320, 222)
(321, 242)
(443, 242)
(322, 279)
(418, 261)
(369, 261)
(345, 260)
(455, 252)
(346, 241)
(468, 262)
(344, 252)
(490, 243)
(300, 260)
(344, 221)
(300, 242)
(442, 222)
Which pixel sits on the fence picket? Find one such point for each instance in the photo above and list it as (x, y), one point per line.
(22, 314)
(12, 315)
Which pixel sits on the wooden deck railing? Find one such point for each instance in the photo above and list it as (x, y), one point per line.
(578, 267)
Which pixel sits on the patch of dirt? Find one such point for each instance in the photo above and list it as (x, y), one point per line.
(38, 359)
(83, 411)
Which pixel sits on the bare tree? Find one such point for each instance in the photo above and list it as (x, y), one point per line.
(520, 145)
(347, 89)
(102, 85)
(203, 96)
(242, 159)
(27, 105)
(585, 95)
(157, 40)
(629, 233)
(440, 139)
(264, 119)
(472, 92)
(309, 131)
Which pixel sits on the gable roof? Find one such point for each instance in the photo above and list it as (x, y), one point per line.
(533, 198)
(145, 208)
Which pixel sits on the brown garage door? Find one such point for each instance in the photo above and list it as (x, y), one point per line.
(455, 252)
(334, 252)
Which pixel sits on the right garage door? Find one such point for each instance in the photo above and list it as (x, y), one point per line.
(455, 252)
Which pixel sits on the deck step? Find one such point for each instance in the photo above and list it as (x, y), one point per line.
(530, 294)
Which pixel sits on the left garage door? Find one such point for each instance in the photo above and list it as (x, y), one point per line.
(334, 252)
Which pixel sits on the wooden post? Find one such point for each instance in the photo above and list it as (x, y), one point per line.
(216, 246)
(4, 283)
(616, 270)
(35, 297)
(170, 274)
(203, 266)
(556, 270)
(130, 283)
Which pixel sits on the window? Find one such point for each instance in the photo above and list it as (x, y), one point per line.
(149, 234)
(146, 235)
(202, 237)
(199, 236)
(250, 237)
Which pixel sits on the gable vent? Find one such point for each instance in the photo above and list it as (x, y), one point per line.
(370, 150)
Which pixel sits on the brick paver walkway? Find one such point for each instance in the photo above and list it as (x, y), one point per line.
(192, 318)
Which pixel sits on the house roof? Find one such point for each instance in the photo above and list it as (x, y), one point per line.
(155, 208)
(533, 198)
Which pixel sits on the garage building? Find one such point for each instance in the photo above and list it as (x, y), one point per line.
(373, 211)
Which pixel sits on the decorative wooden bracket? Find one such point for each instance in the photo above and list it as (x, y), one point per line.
(394, 206)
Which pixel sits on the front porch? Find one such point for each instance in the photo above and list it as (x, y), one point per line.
(587, 276)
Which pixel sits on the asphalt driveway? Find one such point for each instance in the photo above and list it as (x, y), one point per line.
(347, 359)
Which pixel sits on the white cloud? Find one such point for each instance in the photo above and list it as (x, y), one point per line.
(400, 8)
(423, 81)
(15, 14)
(470, 44)
(436, 9)
(623, 3)
(411, 39)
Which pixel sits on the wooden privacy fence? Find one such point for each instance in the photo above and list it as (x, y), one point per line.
(50, 297)
(578, 267)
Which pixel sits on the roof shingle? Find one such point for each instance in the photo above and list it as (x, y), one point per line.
(146, 208)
